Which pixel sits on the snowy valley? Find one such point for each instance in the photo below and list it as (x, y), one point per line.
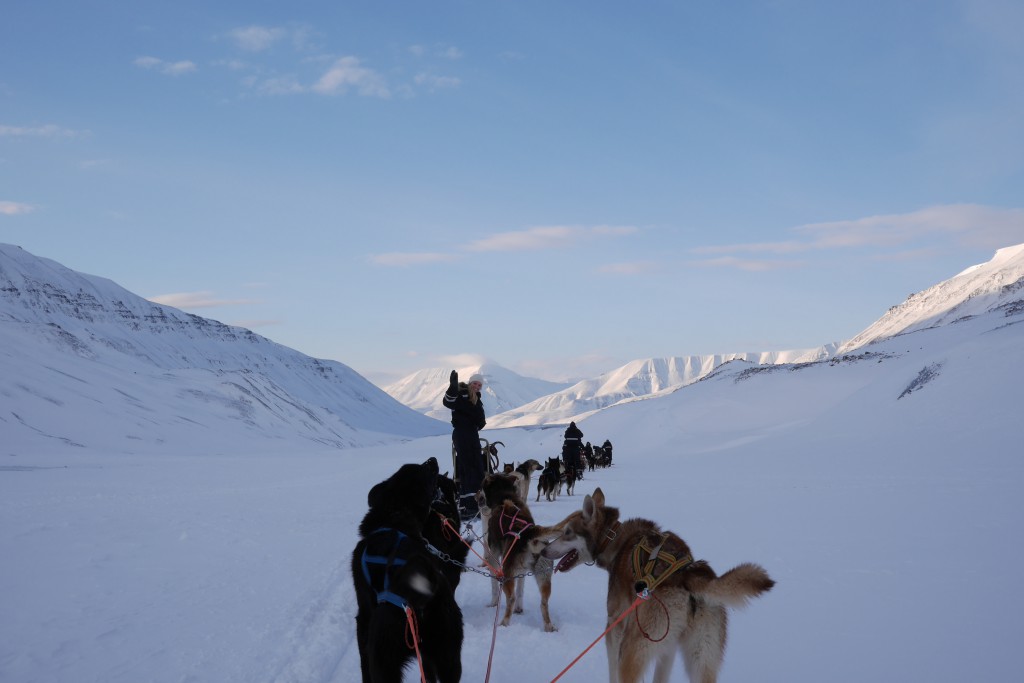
(179, 498)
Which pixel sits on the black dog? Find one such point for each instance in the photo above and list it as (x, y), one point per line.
(391, 571)
(549, 481)
(441, 530)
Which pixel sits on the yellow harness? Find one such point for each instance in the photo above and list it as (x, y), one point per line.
(660, 564)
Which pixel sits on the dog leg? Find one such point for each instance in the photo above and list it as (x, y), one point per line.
(633, 661)
(491, 562)
(612, 644)
(509, 588)
(703, 643)
(520, 589)
(544, 584)
(663, 667)
(494, 593)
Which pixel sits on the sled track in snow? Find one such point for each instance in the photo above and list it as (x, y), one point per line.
(322, 644)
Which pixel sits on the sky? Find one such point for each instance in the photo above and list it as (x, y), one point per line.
(559, 188)
(891, 522)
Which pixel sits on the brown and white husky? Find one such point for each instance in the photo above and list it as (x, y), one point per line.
(686, 606)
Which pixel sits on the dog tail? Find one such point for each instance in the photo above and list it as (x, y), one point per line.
(737, 586)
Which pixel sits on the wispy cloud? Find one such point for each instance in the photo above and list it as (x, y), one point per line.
(438, 50)
(15, 208)
(348, 72)
(437, 82)
(186, 300)
(345, 75)
(318, 72)
(165, 67)
(532, 239)
(968, 224)
(256, 38)
(411, 259)
(462, 360)
(46, 131)
(963, 224)
(545, 237)
(279, 85)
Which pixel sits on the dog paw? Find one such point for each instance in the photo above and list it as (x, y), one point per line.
(518, 610)
(550, 628)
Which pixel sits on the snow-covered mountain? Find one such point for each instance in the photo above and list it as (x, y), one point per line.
(995, 286)
(84, 361)
(503, 389)
(638, 378)
(992, 286)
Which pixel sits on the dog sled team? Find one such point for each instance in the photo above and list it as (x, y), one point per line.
(410, 557)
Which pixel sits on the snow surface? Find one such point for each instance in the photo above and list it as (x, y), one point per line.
(892, 526)
(880, 488)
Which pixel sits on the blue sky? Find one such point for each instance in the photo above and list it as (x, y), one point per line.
(560, 187)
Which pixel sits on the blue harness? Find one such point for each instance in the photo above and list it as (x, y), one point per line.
(384, 594)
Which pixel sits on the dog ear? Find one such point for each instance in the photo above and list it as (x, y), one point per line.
(592, 503)
(588, 507)
(378, 495)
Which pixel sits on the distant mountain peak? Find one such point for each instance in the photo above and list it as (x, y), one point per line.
(503, 389)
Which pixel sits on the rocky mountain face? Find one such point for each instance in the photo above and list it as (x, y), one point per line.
(79, 351)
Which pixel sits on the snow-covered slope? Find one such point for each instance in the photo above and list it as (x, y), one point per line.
(84, 362)
(996, 285)
(503, 389)
(638, 378)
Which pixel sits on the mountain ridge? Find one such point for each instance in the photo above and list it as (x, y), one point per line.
(977, 289)
(56, 320)
(84, 362)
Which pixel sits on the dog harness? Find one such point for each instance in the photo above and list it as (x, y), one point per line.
(383, 587)
(660, 563)
(513, 526)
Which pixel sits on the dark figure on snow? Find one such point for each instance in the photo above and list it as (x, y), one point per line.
(608, 450)
(572, 450)
(463, 399)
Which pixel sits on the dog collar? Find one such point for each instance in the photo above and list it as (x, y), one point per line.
(609, 536)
